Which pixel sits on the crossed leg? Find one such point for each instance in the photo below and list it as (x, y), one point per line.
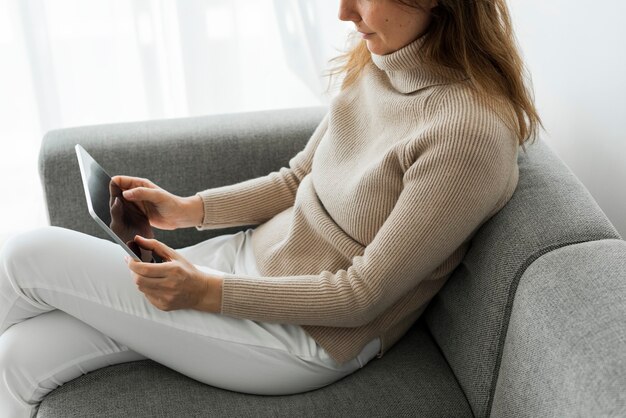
(68, 306)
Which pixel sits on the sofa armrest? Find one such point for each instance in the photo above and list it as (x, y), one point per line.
(565, 349)
(183, 156)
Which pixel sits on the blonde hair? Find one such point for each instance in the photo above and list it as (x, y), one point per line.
(475, 37)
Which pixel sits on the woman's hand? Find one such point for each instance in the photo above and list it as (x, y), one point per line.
(163, 209)
(175, 283)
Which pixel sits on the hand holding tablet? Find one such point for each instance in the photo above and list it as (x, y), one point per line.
(120, 219)
(125, 207)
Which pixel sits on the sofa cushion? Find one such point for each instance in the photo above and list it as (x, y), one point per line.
(469, 317)
(412, 379)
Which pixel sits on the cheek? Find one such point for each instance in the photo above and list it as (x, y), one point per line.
(398, 24)
(411, 27)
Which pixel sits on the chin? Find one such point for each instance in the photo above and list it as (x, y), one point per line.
(377, 49)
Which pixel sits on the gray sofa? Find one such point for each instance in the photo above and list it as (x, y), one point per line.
(531, 324)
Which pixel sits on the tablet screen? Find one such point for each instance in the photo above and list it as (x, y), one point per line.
(119, 217)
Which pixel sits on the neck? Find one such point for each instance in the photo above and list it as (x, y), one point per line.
(408, 70)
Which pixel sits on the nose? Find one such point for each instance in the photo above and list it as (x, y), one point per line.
(347, 12)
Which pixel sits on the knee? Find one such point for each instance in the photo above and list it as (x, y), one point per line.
(31, 244)
(25, 243)
(21, 250)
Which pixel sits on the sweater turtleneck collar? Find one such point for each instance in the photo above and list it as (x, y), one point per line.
(408, 72)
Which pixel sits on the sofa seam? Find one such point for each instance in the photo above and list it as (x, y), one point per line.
(456, 379)
(509, 308)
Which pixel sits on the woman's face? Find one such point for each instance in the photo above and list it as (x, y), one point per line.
(386, 25)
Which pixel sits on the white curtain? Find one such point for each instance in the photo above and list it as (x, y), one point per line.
(75, 62)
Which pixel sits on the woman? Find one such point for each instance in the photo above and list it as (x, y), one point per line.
(353, 239)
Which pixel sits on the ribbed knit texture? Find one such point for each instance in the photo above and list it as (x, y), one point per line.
(368, 221)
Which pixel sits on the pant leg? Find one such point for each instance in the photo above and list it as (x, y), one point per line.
(42, 353)
(234, 254)
(87, 278)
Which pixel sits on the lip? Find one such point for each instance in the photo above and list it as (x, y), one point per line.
(366, 35)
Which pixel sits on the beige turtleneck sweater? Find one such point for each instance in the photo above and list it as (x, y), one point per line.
(368, 221)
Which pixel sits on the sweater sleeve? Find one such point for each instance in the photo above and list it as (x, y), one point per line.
(255, 201)
(456, 179)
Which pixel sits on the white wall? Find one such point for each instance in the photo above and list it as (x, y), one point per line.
(576, 53)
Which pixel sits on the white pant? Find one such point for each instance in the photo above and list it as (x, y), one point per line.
(69, 306)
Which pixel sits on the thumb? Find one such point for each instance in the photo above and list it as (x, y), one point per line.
(142, 193)
(156, 246)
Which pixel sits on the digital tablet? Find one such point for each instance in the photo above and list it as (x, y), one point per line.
(120, 218)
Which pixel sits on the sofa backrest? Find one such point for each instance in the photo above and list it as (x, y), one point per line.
(469, 317)
(182, 155)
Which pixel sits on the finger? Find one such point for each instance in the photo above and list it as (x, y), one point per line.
(148, 285)
(157, 246)
(143, 193)
(128, 182)
(149, 270)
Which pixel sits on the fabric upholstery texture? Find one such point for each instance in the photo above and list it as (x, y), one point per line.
(565, 350)
(412, 380)
(193, 153)
(469, 316)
